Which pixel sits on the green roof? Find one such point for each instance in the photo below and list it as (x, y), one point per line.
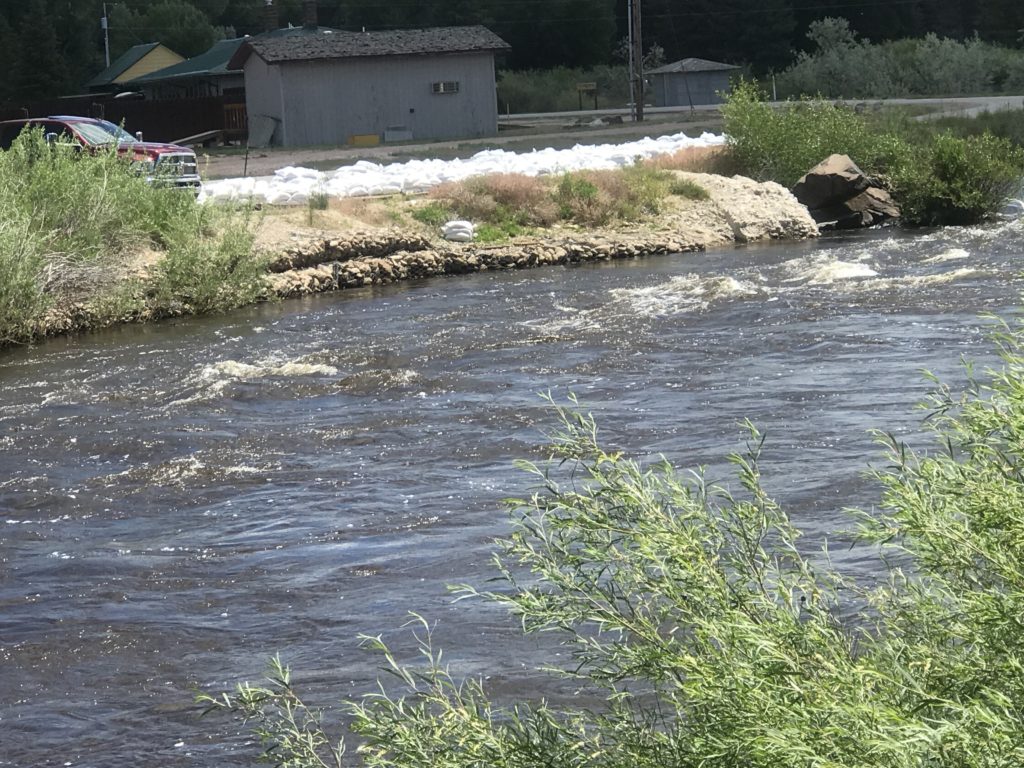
(128, 59)
(212, 62)
(215, 60)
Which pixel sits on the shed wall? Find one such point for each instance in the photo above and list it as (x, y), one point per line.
(158, 58)
(328, 102)
(263, 98)
(670, 89)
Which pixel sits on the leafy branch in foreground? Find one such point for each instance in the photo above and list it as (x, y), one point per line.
(703, 636)
(291, 731)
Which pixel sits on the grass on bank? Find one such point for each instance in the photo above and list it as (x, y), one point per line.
(935, 176)
(73, 224)
(507, 205)
(709, 637)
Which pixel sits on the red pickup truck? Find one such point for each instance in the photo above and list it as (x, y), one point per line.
(170, 163)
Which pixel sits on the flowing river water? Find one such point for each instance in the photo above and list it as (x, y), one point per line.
(179, 502)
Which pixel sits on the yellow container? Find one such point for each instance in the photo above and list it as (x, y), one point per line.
(364, 140)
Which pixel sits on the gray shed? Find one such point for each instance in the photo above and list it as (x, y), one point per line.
(689, 82)
(354, 87)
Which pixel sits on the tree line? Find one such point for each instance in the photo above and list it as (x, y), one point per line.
(52, 47)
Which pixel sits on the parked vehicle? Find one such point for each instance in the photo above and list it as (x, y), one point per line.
(162, 163)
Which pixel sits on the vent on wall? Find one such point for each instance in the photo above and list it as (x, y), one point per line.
(448, 86)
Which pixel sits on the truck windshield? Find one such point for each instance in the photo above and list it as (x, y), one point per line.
(94, 134)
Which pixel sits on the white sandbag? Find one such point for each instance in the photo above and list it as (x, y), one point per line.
(458, 231)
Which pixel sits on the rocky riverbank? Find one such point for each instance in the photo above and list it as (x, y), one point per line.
(737, 211)
(362, 250)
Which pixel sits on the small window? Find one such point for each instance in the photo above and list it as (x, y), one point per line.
(447, 86)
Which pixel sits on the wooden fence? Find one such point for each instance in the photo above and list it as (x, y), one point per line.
(158, 120)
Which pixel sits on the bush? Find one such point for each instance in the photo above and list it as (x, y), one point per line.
(512, 203)
(22, 284)
(782, 144)
(554, 90)
(1004, 123)
(691, 190)
(209, 265)
(936, 178)
(433, 214)
(580, 199)
(597, 197)
(690, 611)
(841, 66)
(957, 180)
(500, 199)
(69, 223)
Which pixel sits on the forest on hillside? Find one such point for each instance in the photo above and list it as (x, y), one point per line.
(51, 47)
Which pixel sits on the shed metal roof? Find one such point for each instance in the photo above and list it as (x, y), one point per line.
(216, 60)
(691, 65)
(344, 45)
(211, 62)
(122, 63)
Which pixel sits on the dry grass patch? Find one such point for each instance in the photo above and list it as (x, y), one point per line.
(716, 160)
(524, 199)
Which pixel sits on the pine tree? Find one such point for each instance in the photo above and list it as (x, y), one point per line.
(41, 70)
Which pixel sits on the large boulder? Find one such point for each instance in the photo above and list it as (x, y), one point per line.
(839, 196)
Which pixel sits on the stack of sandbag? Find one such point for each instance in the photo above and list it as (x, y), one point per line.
(458, 231)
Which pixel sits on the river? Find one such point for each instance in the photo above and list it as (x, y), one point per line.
(179, 502)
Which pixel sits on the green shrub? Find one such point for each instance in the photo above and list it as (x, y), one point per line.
(956, 180)
(580, 199)
(554, 90)
(783, 143)
(22, 297)
(690, 611)
(498, 233)
(1004, 123)
(433, 214)
(502, 199)
(70, 221)
(209, 265)
(936, 178)
(691, 190)
(841, 66)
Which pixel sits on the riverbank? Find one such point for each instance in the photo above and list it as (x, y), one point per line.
(374, 241)
(325, 258)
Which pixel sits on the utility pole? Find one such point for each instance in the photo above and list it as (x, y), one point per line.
(106, 33)
(636, 58)
(632, 69)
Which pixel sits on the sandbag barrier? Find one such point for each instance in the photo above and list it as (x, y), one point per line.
(330, 273)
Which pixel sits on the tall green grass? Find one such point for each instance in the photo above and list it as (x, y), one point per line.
(71, 223)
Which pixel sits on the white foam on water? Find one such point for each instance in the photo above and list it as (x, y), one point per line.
(952, 254)
(686, 293)
(572, 320)
(294, 186)
(916, 281)
(233, 369)
(213, 379)
(176, 471)
(826, 269)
